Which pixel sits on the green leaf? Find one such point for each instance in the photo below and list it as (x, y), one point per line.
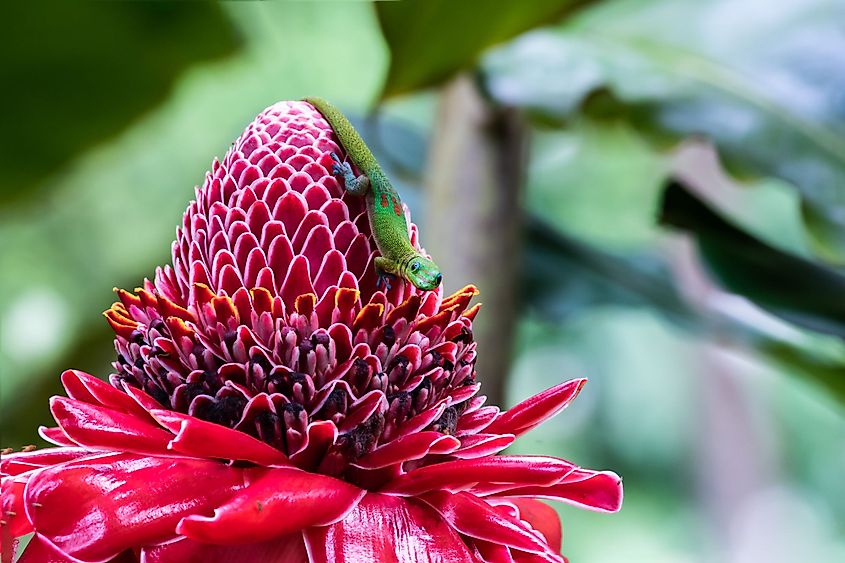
(766, 94)
(593, 174)
(794, 288)
(563, 278)
(430, 40)
(81, 72)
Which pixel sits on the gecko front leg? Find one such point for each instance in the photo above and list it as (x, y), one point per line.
(385, 269)
(355, 185)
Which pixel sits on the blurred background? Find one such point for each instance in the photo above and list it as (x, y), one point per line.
(649, 193)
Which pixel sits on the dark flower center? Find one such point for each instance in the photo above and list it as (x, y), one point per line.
(273, 387)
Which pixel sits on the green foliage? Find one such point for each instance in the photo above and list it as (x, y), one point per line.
(799, 290)
(430, 40)
(92, 69)
(658, 67)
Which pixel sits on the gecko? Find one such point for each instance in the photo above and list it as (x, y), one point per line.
(384, 208)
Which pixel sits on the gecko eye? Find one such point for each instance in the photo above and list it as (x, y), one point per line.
(415, 267)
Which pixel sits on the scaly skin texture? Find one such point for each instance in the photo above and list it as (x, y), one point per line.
(384, 208)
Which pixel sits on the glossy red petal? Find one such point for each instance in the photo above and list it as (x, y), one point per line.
(14, 520)
(200, 438)
(55, 435)
(493, 552)
(388, 530)
(523, 557)
(542, 518)
(599, 491)
(279, 502)
(40, 550)
(21, 462)
(532, 412)
(407, 448)
(464, 474)
(85, 387)
(319, 437)
(482, 445)
(473, 517)
(144, 401)
(285, 549)
(95, 508)
(101, 427)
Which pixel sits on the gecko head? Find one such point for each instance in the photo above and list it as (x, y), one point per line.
(423, 273)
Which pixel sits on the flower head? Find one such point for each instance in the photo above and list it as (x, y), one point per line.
(270, 403)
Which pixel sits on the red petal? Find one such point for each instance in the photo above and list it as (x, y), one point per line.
(200, 438)
(407, 448)
(95, 508)
(532, 412)
(319, 437)
(600, 491)
(100, 427)
(388, 530)
(40, 550)
(144, 401)
(522, 557)
(84, 387)
(280, 502)
(481, 445)
(297, 281)
(55, 435)
(542, 518)
(464, 474)
(286, 549)
(17, 463)
(493, 552)
(473, 517)
(15, 522)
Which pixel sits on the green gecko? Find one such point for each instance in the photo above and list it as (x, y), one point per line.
(384, 208)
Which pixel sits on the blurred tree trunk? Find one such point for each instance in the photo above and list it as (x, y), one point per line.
(473, 183)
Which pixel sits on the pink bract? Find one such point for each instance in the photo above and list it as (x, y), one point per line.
(269, 403)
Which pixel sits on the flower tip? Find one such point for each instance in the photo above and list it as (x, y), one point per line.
(473, 311)
(609, 492)
(617, 506)
(469, 289)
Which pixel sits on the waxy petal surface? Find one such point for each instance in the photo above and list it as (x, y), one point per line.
(108, 429)
(199, 438)
(388, 530)
(464, 474)
(284, 549)
(278, 502)
(473, 517)
(534, 411)
(598, 490)
(95, 508)
(542, 518)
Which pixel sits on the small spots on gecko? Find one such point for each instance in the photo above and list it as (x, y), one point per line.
(384, 200)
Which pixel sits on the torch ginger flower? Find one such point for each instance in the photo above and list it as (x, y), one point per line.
(269, 403)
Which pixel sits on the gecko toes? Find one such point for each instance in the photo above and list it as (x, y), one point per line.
(383, 280)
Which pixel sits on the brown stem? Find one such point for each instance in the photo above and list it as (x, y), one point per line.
(473, 185)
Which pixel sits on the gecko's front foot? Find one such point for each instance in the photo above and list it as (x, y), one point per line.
(340, 168)
(383, 280)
